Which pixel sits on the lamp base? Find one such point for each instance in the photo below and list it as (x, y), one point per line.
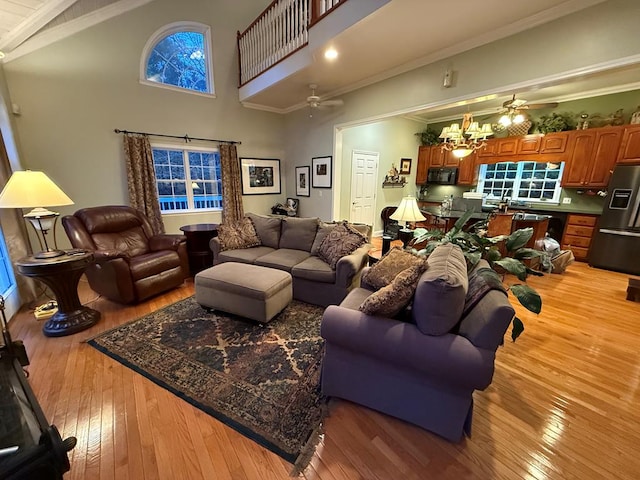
(405, 235)
(49, 254)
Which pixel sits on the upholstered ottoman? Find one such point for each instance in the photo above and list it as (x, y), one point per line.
(251, 291)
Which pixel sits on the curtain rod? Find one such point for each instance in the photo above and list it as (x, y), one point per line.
(185, 137)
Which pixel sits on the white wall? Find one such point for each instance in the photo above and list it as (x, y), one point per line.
(73, 94)
(593, 38)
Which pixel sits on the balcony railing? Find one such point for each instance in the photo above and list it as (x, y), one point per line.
(279, 31)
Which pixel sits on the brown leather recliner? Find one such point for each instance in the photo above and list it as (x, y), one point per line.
(132, 264)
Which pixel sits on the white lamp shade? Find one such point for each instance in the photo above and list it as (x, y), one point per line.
(408, 211)
(461, 152)
(30, 189)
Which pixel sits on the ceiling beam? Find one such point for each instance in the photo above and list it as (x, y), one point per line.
(43, 15)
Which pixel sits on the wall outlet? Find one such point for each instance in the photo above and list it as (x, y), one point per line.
(566, 200)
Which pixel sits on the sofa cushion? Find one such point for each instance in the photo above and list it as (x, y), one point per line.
(283, 259)
(267, 228)
(391, 264)
(342, 240)
(244, 255)
(239, 234)
(323, 231)
(441, 291)
(298, 233)
(314, 269)
(391, 299)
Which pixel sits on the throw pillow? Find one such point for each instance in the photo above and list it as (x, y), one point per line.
(240, 234)
(267, 228)
(341, 241)
(385, 270)
(323, 231)
(390, 300)
(441, 291)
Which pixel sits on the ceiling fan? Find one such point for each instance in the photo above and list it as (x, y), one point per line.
(314, 101)
(512, 110)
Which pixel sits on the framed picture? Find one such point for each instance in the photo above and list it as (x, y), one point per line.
(292, 207)
(302, 181)
(321, 172)
(260, 176)
(405, 166)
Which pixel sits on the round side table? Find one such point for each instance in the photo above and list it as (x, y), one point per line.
(198, 236)
(62, 274)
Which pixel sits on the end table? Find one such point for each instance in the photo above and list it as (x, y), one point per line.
(198, 236)
(62, 275)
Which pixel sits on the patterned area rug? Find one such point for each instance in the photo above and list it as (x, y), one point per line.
(261, 381)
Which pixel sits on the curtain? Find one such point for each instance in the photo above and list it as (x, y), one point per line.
(14, 230)
(231, 184)
(141, 179)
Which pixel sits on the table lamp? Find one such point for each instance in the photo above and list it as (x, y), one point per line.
(31, 189)
(407, 211)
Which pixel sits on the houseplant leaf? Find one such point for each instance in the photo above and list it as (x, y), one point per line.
(517, 328)
(514, 267)
(527, 297)
(518, 239)
(524, 253)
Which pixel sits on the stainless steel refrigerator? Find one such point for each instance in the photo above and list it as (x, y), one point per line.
(616, 242)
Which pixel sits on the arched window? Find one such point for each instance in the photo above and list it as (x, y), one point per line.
(178, 56)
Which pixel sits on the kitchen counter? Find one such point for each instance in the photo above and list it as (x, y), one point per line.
(451, 214)
(537, 208)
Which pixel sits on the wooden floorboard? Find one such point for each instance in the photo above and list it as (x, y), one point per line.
(564, 404)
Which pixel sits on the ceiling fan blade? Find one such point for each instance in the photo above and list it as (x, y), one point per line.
(514, 103)
(332, 103)
(535, 106)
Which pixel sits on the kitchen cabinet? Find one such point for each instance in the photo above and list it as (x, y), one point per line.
(424, 152)
(468, 170)
(499, 147)
(529, 144)
(592, 157)
(577, 235)
(554, 143)
(630, 145)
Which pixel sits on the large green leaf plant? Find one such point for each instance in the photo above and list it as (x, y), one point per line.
(476, 245)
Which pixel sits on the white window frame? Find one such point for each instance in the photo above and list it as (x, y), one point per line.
(187, 173)
(170, 29)
(517, 181)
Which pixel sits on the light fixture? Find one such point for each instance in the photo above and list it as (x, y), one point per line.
(512, 117)
(31, 189)
(1, 55)
(331, 53)
(407, 211)
(463, 140)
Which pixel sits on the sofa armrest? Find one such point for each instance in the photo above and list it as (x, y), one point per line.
(214, 245)
(102, 256)
(448, 357)
(166, 242)
(349, 265)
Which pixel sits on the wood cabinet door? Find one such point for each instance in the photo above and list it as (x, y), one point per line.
(450, 160)
(577, 166)
(468, 170)
(490, 149)
(423, 164)
(630, 146)
(529, 144)
(436, 158)
(603, 159)
(554, 142)
(508, 146)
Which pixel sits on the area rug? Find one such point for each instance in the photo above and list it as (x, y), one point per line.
(263, 381)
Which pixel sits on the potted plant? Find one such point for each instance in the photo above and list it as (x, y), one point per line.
(428, 137)
(476, 244)
(556, 122)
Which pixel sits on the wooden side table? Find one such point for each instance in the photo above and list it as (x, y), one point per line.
(62, 274)
(198, 237)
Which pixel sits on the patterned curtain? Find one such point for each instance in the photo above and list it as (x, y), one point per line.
(14, 229)
(141, 179)
(231, 187)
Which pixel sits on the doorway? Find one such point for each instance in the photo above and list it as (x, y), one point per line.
(364, 174)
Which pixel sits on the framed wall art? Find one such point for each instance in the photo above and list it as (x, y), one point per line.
(260, 176)
(303, 181)
(321, 172)
(405, 166)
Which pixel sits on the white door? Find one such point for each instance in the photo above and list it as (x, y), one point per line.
(364, 175)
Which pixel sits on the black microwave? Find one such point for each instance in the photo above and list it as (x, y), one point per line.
(442, 176)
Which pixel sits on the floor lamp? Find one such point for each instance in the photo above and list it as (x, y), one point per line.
(31, 189)
(407, 211)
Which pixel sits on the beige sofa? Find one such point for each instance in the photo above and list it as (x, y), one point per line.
(292, 244)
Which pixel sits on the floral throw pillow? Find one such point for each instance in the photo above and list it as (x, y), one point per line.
(394, 261)
(240, 234)
(342, 240)
(390, 300)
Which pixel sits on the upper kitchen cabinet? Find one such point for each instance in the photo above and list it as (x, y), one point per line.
(630, 146)
(592, 156)
(498, 147)
(424, 152)
(468, 170)
(554, 143)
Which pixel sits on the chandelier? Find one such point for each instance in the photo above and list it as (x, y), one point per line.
(463, 140)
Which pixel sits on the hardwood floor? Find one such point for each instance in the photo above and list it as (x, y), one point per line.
(564, 404)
